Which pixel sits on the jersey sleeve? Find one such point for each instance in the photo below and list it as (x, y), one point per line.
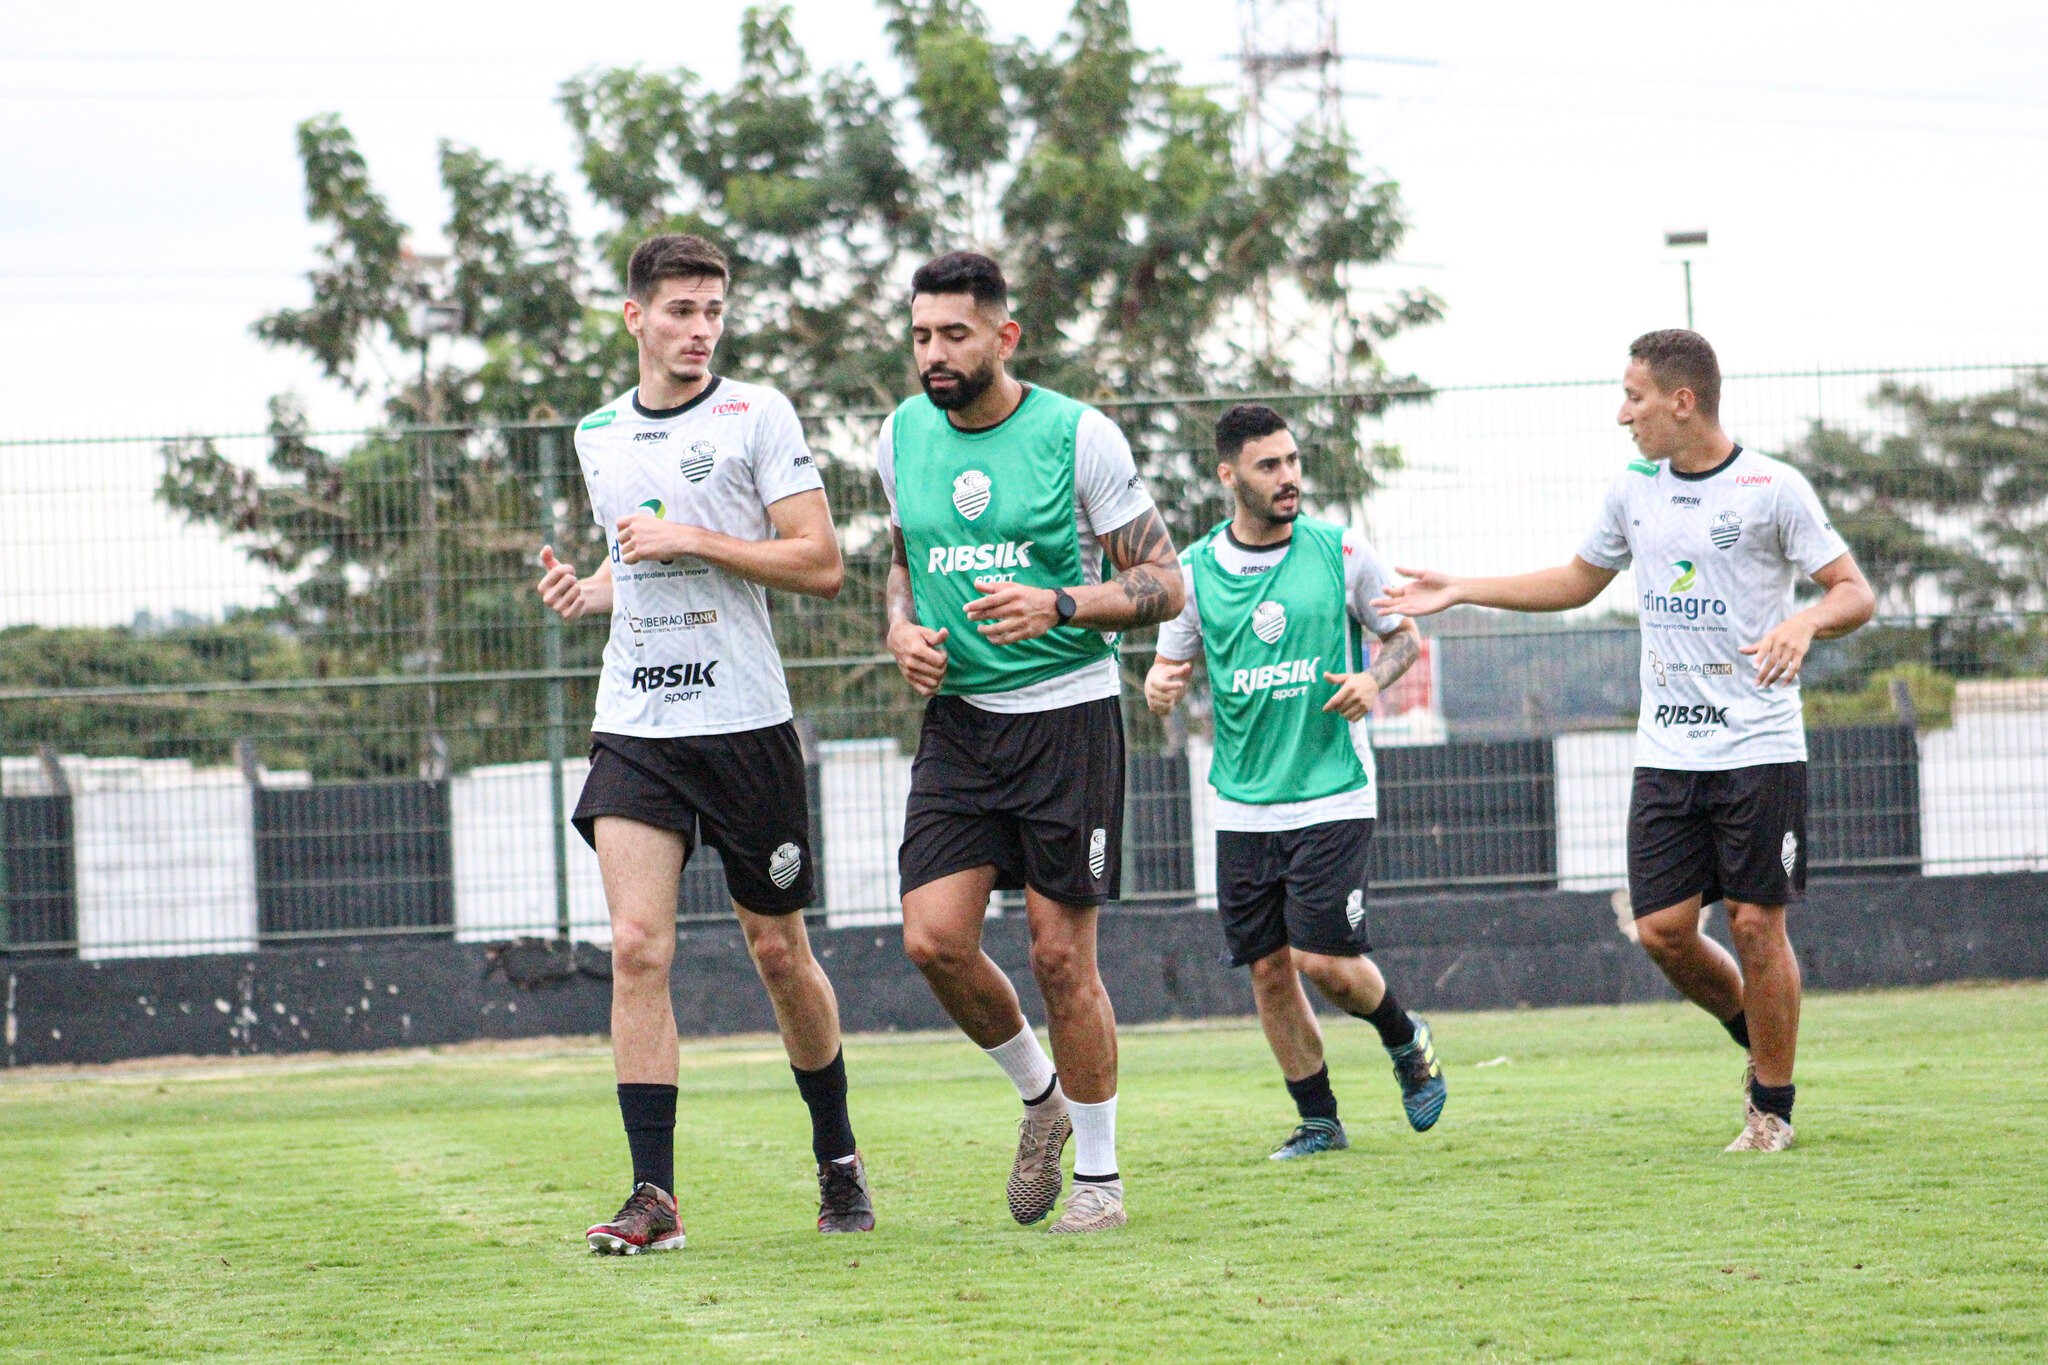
(1366, 577)
(583, 460)
(1106, 482)
(1810, 539)
(885, 465)
(1606, 545)
(1181, 637)
(783, 466)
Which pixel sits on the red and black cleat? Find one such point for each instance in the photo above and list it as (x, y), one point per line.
(647, 1222)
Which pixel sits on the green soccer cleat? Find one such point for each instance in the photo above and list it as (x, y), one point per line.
(1422, 1080)
(1312, 1138)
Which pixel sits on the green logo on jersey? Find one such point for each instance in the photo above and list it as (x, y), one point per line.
(656, 506)
(1686, 574)
(1643, 467)
(597, 419)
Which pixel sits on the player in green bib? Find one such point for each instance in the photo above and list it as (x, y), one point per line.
(1008, 504)
(1279, 604)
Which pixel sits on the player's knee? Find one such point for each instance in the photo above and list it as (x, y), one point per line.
(1274, 971)
(1060, 966)
(1666, 938)
(638, 951)
(775, 957)
(931, 952)
(1755, 927)
(1330, 974)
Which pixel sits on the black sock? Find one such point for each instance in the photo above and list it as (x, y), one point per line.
(1313, 1096)
(650, 1115)
(1772, 1099)
(1738, 1029)
(1395, 1028)
(824, 1091)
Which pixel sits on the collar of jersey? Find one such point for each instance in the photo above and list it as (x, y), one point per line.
(1278, 547)
(663, 414)
(1733, 456)
(976, 433)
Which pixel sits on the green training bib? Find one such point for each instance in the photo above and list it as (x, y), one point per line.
(1268, 639)
(992, 504)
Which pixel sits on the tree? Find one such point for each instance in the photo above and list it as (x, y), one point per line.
(1110, 188)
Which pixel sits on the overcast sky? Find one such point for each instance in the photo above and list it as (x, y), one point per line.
(1872, 174)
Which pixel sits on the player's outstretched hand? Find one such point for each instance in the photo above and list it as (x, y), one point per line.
(1166, 683)
(1425, 594)
(1782, 652)
(1357, 693)
(1009, 612)
(559, 587)
(920, 654)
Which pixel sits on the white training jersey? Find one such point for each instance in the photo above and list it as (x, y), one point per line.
(1716, 555)
(1365, 577)
(1108, 495)
(691, 650)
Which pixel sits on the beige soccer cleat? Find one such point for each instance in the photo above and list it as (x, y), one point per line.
(1761, 1132)
(1093, 1207)
(1035, 1176)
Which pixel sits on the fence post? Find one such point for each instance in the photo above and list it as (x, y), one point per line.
(557, 701)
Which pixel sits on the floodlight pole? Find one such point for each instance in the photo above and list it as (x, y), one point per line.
(1688, 294)
(1696, 237)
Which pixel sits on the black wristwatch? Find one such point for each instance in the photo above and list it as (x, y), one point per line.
(1063, 603)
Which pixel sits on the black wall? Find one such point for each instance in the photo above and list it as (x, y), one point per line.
(1479, 951)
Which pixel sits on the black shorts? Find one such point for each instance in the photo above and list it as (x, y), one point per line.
(1039, 796)
(1733, 835)
(744, 791)
(1297, 888)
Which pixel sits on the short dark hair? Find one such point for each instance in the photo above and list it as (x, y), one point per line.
(1245, 423)
(964, 272)
(1680, 359)
(673, 256)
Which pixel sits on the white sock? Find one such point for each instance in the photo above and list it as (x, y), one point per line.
(1025, 1063)
(1094, 1138)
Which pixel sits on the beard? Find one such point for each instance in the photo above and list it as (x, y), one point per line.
(966, 387)
(1274, 517)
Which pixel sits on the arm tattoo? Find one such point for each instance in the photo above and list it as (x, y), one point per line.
(900, 604)
(1142, 551)
(1395, 657)
(1140, 540)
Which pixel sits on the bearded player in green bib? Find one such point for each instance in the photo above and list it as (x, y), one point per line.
(1006, 500)
(1278, 602)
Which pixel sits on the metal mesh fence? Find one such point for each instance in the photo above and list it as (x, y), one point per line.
(284, 684)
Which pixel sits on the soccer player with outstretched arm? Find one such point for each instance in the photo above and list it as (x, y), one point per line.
(1278, 603)
(708, 495)
(1007, 500)
(1718, 536)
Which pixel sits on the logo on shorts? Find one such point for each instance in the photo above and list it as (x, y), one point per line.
(783, 865)
(971, 492)
(1788, 852)
(1269, 622)
(1354, 909)
(1098, 852)
(1726, 530)
(697, 463)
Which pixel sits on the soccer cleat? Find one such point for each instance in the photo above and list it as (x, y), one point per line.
(844, 1204)
(1761, 1132)
(1748, 1082)
(1422, 1080)
(646, 1222)
(1094, 1206)
(1314, 1136)
(1035, 1176)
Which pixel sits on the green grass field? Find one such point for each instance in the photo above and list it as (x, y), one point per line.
(1574, 1203)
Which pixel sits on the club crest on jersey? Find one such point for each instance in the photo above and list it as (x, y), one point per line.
(1788, 852)
(783, 865)
(697, 463)
(1098, 851)
(1354, 909)
(971, 492)
(1269, 622)
(1726, 530)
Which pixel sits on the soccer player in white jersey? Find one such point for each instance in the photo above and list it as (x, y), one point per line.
(1717, 535)
(707, 495)
(1278, 602)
